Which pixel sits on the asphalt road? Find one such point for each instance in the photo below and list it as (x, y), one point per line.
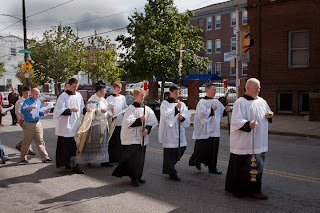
(291, 180)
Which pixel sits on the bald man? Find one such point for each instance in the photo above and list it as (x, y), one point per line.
(32, 129)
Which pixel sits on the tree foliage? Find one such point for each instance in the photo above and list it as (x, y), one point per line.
(33, 80)
(56, 56)
(155, 36)
(2, 69)
(99, 60)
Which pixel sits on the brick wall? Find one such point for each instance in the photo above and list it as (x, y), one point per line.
(277, 19)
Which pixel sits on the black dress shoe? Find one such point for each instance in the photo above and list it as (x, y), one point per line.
(141, 181)
(215, 171)
(259, 196)
(106, 164)
(174, 177)
(24, 161)
(48, 160)
(18, 148)
(198, 166)
(134, 182)
(77, 170)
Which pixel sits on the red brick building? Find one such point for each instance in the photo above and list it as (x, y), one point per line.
(286, 51)
(218, 22)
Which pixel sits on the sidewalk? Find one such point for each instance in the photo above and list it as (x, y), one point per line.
(291, 125)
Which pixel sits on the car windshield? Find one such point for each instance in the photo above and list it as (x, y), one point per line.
(219, 90)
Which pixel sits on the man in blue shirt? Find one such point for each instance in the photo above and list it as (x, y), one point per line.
(32, 129)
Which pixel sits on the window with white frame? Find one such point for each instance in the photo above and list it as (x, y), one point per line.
(218, 46)
(217, 21)
(218, 68)
(298, 55)
(232, 71)
(244, 17)
(13, 51)
(233, 19)
(200, 22)
(233, 44)
(244, 68)
(209, 68)
(209, 47)
(209, 23)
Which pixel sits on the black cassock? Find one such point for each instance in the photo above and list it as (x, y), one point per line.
(170, 158)
(238, 175)
(66, 152)
(131, 162)
(206, 152)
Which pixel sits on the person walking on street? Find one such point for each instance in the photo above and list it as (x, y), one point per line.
(32, 128)
(18, 105)
(136, 127)
(118, 103)
(209, 112)
(175, 118)
(13, 98)
(248, 143)
(68, 113)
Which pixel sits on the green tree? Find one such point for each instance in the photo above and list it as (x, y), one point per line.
(155, 36)
(56, 56)
(99, 60)
(2, 69)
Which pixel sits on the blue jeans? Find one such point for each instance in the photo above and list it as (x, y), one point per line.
(3, 156)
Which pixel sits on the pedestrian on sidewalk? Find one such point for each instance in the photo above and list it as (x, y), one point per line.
(209, 112)
(3, 156)
(118, 102)
(175, 117)
(68, 113)
(13, 98)
(32, 128)
(135, 138)
(248, 139)
(95, 149)
(18, 105)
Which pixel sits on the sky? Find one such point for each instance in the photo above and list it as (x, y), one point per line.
(83, 16)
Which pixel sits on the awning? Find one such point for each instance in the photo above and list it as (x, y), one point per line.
(201, 77)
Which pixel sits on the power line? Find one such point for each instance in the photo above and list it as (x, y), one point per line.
(10, 25)
(105, 32)
(50, 8)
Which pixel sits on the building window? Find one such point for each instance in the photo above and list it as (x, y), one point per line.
(244, 17)
(209, 68)
(233, 44)
(304, 102)
(244, 68)
(298, 55)
(218, 46)
(285, 102)
(209, 47)
(233, 19)
(200, 22)
(232, 71)
(218, 68)
(13, 51)
(209, 23)
(9, 83)
(218, 22)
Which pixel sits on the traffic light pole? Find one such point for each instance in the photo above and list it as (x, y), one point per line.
(25, 37)
(237, 51)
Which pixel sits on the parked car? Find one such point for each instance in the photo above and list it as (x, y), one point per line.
(85, 87)
(86, 94)
(109, 91)
(5, 98)
(150, 102)
(47, 98)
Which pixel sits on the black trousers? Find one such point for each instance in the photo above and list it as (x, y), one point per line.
(14, 116)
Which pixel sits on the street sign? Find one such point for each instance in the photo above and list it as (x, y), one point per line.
(27, 66)
(26, 51)
(229, 55)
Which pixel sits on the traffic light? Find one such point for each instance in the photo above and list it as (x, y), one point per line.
(247, 42)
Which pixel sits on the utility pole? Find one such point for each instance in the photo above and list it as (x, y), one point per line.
(237, 51)
(25, 37)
